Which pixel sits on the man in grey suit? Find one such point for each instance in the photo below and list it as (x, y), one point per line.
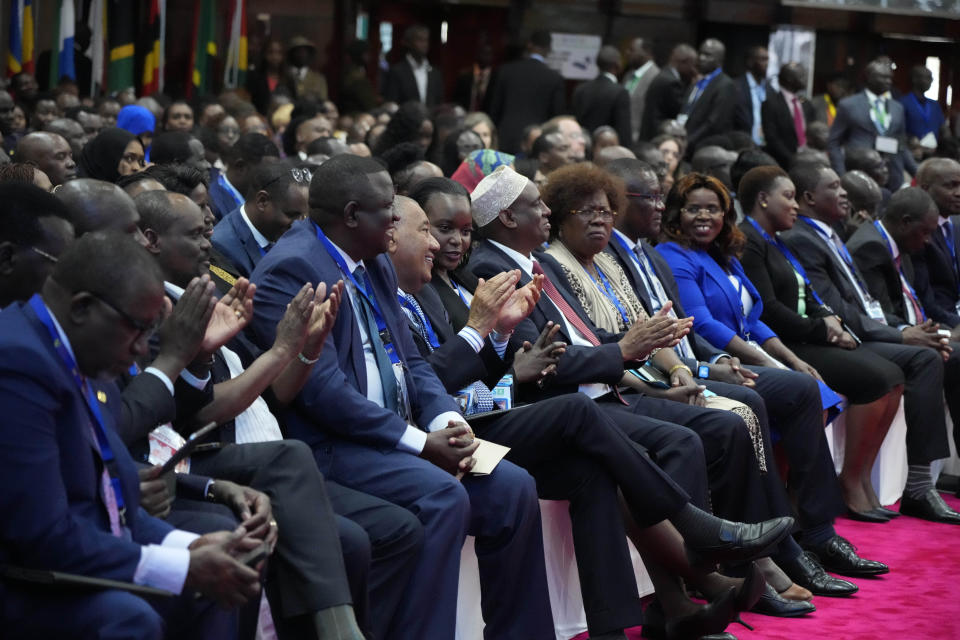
(641, 70)
(711, 100)
(872, 119)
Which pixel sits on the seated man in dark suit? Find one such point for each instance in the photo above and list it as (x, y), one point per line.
(310, 589)
(938, 274)
(603, 101)
(785, 395)
(277, 197)
(568, 444)
(915, 349)
(883, 251)
(58, 442)
(362, 400)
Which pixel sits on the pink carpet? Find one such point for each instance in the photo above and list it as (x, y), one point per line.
(918, 599)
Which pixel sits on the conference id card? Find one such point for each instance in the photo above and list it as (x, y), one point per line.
(929, 141)
(682, 119)
(875, 311)
(886, 144)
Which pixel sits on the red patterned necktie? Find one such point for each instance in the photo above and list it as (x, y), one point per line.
(575, 320)
(798, 124)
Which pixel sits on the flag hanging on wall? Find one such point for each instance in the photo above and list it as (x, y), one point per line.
(121, 27)
(235, 73)
(61, 58)
(20, 49)
(152, 69)
(204, 48)
(97, 22)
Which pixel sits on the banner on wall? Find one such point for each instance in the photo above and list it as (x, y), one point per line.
(791, 44)
(574, 55)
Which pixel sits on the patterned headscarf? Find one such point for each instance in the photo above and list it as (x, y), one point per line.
(478, 165)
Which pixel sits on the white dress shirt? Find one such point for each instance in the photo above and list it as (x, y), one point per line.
(421, 72)
(261, 239)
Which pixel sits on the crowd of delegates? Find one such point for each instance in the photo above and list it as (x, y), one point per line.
(642, 297)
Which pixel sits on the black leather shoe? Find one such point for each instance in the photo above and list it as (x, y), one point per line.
(867, 516)
(930, 507)
(890, 513)
(707, 619)
(773, 604)
(751, 590)
(840, 556)
(738, 542)
(806, 571)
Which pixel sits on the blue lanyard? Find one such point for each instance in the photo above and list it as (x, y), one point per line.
(424, 321)
(229, 188)
(842, 250)
(459, 293)
(607, 290)
(632, 252)
(364, 290)
(742, 316)
(106, 452)
(778, 243)
(903, 278)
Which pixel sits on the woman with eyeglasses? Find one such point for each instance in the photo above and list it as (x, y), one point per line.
(872, 385)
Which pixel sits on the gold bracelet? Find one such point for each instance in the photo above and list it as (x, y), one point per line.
(680, 366)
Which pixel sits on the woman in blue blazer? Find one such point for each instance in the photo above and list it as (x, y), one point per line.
(701, 243)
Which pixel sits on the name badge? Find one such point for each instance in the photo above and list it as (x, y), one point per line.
(886, 144)
(682, 119)
(875, 311)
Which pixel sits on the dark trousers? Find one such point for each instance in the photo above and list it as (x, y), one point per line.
(577, 453)
(922, 398)
(306, 572)
(951, 389)
(794, 411)
(30, 614)
(500, 510)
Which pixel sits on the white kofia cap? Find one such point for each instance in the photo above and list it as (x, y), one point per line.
(495, 193)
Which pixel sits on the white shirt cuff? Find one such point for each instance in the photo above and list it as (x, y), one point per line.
(472, 336)
(163, 378)
(500, 342)
(178, 538)
(715, 358)
(440, 422)
(412, 440)
(162, 567)
(194, 381)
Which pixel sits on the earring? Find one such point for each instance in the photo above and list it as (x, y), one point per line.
(763, 205)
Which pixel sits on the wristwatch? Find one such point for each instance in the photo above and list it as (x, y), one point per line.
(703, 371)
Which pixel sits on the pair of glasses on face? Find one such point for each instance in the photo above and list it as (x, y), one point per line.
(655, 198)
(144, 329)
(710, 210)
(588, 214)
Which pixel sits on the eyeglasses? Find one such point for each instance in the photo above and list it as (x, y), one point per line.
(298, 175)
(143, 328)
(655, 198)
(43, 254)
(710, 210)
(590, 213)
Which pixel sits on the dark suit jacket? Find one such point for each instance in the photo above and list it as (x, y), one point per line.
(579, 364)
(602, 101)
(233, 238)
(853, 128)
(743, 110)
(50, 465)
(524, 92)
(873, 258)
(663, 101)
(333, 403)
(778, 130)
(701, 347)
(936, 282)
(828, 278)
(401, 86)
(773, 276)
(712, 113)
(455, 361)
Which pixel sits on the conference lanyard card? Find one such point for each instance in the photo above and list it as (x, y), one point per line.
(403, 395)
(875, 311)
(886, 144)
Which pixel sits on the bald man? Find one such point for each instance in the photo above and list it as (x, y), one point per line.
(607, 155)
(603, 101)
(95, 205)
(69, 130)
(710, 102)
(664, 97)
(50, 153)
(865, 196)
